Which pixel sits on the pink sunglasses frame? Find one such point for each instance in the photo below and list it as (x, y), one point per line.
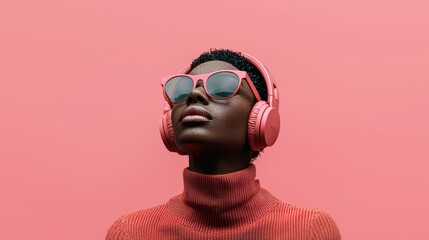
(204, 77)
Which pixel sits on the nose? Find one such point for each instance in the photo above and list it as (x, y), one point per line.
(198, 95)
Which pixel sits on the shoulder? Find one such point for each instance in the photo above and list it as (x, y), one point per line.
(323, 226)
(123, 227)
(117, 230)
(316, 223)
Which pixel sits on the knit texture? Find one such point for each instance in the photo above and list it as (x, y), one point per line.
(225, 206)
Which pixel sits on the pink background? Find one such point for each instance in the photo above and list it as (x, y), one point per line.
(80, 102)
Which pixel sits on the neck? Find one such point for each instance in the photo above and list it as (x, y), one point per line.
(219, 164)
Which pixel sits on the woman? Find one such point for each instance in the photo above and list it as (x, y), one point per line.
(223, 112)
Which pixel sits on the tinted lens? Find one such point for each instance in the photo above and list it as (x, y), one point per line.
(222, 85)
(178, 88)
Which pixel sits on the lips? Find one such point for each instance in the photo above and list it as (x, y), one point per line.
(195, 113)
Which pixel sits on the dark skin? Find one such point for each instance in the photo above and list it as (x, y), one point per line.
(220, 145)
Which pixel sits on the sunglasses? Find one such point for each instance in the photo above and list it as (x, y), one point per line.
(221, 84)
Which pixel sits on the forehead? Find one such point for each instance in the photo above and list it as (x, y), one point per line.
(212, 66)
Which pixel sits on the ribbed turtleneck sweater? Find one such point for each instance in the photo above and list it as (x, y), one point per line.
(225, 206)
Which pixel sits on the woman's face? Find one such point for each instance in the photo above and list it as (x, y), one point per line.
(226, 129)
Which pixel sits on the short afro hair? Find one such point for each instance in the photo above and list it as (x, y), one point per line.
(240, 62)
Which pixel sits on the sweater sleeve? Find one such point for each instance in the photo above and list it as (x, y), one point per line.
(118, 230)
(323, 227)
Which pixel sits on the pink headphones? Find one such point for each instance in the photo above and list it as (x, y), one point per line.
(264, 120)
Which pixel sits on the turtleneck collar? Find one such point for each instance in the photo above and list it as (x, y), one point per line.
(221, 191)
(222, 200)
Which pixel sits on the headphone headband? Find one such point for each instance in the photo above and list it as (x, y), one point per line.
(273, 93)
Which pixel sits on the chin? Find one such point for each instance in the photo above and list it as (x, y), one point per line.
(196, 134)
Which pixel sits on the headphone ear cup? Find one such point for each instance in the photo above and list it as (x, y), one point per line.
(263, 126)
(167, 133)
(252, 127)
